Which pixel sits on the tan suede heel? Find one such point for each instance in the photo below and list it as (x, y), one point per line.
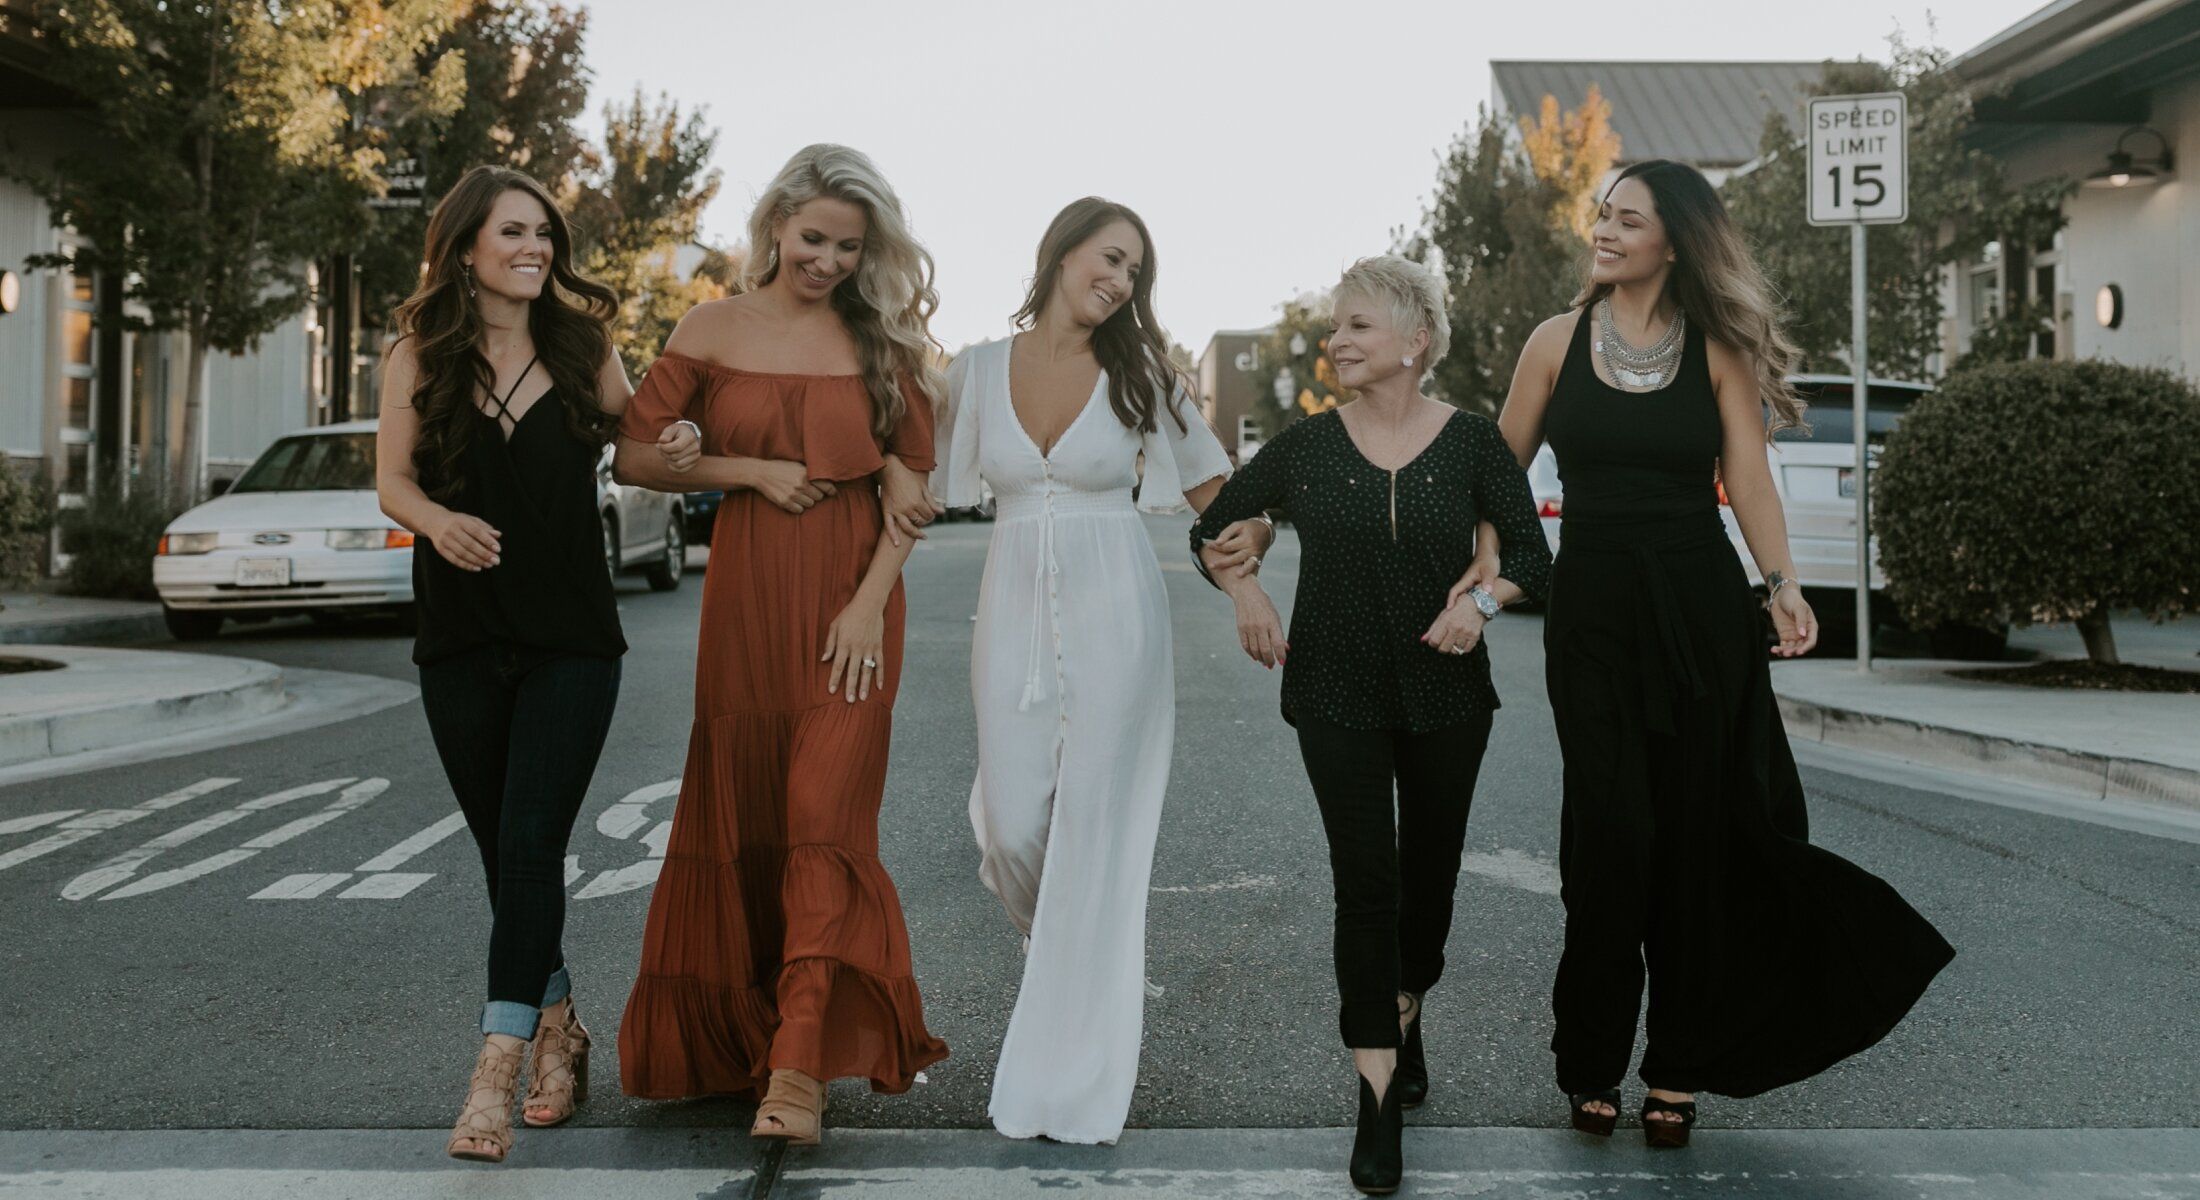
(797, 1103)
(558, 1080)
(487, 1117)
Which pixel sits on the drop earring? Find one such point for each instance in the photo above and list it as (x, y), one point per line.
(468, 270)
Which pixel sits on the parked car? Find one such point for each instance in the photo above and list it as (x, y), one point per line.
(642, 530)
(302, 531)
(981, 511)
(701, 509)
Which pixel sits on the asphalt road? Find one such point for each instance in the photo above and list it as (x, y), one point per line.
(294, 949)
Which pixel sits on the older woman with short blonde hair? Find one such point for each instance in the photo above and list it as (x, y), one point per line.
(1385, 676)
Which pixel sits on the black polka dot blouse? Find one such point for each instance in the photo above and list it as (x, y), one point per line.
(1380, 551)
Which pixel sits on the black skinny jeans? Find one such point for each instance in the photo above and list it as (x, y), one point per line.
(519, 734)
(1394, 876)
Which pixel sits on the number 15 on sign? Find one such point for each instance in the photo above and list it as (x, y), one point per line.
(1859, 159)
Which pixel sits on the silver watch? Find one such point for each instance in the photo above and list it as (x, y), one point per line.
(1484, 602)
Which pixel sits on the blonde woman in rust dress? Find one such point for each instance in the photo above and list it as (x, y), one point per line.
(776, 958)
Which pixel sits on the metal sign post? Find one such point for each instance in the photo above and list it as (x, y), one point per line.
(1859, 176)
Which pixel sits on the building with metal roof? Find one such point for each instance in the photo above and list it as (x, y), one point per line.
(1710, 115)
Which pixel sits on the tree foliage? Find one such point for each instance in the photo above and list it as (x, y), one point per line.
(642, 204)
(1507, 227)
(2044, 491)
(1960, 199)
(526, 84)
(224, 154)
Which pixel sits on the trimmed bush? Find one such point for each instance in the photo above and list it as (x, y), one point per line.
(2042, 492)
(110, 542)
(26, 518)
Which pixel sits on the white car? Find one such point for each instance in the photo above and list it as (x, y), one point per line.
(302, 531)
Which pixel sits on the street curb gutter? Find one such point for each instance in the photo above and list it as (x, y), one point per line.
(216, 691)
(86, 630)
(2096, 776)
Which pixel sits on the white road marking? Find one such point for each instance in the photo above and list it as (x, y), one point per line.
(124, 866)
(622, 820)
(389, 885)
(352, 797)
(301, 887)
(405, 851)
(92, 824)
(1514, 869)
(573, 869)
(36, 821)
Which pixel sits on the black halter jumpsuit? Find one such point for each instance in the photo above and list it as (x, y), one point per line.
(1684, 840)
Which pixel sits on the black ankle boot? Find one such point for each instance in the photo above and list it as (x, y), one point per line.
(1378, 1155)
(1411, 1080)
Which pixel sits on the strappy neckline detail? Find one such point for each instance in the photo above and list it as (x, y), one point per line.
(722, 368)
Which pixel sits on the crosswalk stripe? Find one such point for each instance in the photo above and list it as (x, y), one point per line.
(74, 829)
(351, 798)
(124, 866)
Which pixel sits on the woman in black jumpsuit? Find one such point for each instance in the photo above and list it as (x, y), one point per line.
(1684, 842)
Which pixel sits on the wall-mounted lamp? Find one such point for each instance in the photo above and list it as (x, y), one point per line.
(11, 292)
(2125, 170)
(2108, 306)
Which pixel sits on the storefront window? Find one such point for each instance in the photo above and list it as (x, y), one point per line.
(76, 411)
(76, 337)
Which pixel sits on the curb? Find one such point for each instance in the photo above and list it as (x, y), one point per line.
(2096, 776)
(202, 691)
(92, 630)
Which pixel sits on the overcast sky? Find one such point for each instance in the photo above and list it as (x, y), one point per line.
(1267, 144)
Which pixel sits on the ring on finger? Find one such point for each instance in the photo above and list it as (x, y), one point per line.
(870, 664)
(1456, 649)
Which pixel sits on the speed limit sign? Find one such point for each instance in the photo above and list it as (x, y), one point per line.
(1859, 159)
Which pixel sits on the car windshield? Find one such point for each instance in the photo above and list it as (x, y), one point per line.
(1832, 413)
(324, 462)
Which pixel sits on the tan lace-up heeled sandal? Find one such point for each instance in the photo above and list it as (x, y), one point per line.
(558, 1082)
(792, 1109)
(484, 1129)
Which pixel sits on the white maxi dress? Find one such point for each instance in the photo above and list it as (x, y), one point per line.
(1075, 690)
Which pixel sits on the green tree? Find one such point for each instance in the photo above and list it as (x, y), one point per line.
(1507, 228)
(643, 202)
(1960, 199)
(225, 156)
(526, 86)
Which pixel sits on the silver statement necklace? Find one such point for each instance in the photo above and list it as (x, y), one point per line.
(1638, 368)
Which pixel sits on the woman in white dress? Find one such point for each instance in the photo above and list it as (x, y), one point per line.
(1070, 665)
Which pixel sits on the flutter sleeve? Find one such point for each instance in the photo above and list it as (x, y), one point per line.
(672, 391)
(911, 441)
(1178, 457)
(955, 475)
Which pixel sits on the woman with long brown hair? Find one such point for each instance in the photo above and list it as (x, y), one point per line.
(776, 959)
(1070, 663)
(1684, 842)
(497, 399)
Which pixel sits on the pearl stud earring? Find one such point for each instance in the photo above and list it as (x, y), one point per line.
(1407, 360)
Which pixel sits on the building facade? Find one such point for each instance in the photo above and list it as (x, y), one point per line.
(2105, 93)
(85, 401)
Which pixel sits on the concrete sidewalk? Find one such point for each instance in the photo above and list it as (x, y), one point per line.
(103, 698)
(2097, 744)
(41, 618)
(1165, 1164)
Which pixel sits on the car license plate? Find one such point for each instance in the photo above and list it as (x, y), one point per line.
(1848, 483)
(263, 572)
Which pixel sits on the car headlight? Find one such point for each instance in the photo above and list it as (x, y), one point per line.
(369, 539)
(187, 543)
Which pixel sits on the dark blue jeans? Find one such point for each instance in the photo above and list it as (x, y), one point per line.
(519, 734)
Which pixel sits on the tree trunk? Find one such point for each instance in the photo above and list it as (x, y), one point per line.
(190, 470)
(2100, 640)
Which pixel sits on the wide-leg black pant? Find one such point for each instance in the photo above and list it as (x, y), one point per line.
(1394, 867)
(519, 735)
(1684, 839)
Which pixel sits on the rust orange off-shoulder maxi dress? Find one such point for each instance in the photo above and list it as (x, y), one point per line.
(775, 938)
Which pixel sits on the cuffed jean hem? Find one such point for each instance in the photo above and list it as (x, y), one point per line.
(510, 1018)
